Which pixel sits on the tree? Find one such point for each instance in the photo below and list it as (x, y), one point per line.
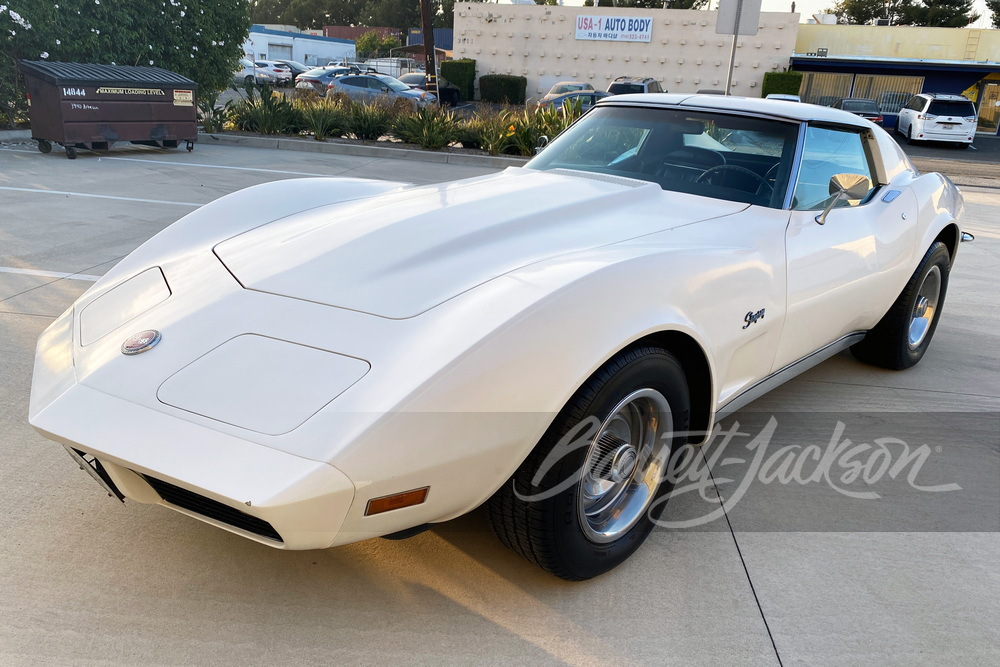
(944, 13)
(865, 12)
(401, 14)
(370, 45)
(200, 39)
(994, 7)
(268, 11)
(445, 18)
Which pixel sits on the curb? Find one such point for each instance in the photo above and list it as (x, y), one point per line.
(8, 135)
(361, 150)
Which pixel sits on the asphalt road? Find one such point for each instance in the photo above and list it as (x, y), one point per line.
(791, 574)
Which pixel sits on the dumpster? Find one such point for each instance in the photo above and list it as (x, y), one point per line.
(96, 106)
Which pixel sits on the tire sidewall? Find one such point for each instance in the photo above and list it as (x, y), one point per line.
(938, 256)
(582, 557)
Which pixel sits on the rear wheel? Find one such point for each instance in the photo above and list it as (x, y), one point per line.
(71, 152)
(909, 134)
(903, 335)
(588, 494)
(248, 80)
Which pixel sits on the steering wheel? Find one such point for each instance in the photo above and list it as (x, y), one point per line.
(759, 181)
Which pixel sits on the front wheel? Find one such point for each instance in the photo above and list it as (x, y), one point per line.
(903, 335)
(589, 493)
(44, 146)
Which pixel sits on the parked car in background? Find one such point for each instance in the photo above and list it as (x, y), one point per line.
(369, 87)
(448, 92)
(250, 72)
(784, 96)
(587, 99)
(319, 79)
(270, 72)
(635, 84)
(281, 72)
(562, 88)
(861, 107)
(296, 67)
(938, 117)
(308, 364)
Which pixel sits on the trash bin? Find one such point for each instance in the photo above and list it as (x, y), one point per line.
(96, 106)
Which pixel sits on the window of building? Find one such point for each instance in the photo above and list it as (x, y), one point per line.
(891, 93)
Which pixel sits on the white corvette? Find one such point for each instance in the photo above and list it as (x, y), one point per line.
(315, 362)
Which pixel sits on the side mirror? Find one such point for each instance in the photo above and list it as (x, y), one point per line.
(844, 186)
(543, 141)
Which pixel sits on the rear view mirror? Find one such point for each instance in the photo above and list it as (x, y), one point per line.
(844, 186)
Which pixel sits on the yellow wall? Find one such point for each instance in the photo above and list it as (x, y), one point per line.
(900, 42)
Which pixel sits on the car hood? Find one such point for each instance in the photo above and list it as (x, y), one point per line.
(400, 254)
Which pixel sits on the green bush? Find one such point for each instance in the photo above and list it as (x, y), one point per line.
(430, 127)
(786, 83)
(266, 112)
(502, 88)
(324, 118)
(368, 122)
(462, 73)
(213, 117)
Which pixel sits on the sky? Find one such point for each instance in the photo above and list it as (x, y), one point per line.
(806, 8)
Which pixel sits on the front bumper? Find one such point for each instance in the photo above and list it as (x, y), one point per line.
(212, 476)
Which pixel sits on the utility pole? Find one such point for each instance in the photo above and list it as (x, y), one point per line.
(430, 67)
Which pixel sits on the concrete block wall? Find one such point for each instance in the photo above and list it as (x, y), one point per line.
(685, 54)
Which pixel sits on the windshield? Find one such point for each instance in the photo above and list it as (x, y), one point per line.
(566, 88)
(394, 84)
(716, 155)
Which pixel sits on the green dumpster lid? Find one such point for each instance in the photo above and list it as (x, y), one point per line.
(108, 75)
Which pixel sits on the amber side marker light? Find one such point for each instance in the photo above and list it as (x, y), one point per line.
(396, 501)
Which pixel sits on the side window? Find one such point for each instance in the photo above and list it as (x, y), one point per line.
(352, 81)
(654, 87)
(827, 152)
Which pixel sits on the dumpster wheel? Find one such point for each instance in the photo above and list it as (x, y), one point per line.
(190, 146)
(71, 152)
(44, 146)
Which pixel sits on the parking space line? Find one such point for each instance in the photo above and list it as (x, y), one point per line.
(215, 166)
(194, 164)
(85, 194)
(50, 274)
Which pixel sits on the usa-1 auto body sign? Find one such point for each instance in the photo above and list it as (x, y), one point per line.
(614, 28)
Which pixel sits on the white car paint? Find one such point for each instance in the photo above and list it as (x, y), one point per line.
(426, 336)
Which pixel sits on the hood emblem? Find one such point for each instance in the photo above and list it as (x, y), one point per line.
(140, 342)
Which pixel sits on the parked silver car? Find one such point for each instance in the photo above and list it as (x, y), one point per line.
(369, 87)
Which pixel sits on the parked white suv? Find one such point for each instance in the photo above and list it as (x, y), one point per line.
(937, 117)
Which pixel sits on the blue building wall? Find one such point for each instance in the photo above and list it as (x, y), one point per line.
(444, 38)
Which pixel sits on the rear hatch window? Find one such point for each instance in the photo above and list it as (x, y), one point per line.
(952, 108)
(623, 88)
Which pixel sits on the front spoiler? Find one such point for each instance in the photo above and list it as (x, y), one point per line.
(305, 501)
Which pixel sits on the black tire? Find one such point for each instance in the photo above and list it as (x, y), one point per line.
(549, 531)
(70, 152)
(909, 134)
(889, 344)
(44, 146)
(248, 80)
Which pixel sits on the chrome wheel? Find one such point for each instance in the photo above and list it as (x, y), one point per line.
(925, 307)
(624, 465)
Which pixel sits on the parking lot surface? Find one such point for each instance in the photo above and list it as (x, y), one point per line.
(85, 579)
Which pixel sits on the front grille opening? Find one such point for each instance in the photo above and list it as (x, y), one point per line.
(213, 509)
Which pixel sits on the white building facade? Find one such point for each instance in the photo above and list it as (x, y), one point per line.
(679, 48)
(267, 44)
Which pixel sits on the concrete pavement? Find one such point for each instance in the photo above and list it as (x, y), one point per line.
(85, 579)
